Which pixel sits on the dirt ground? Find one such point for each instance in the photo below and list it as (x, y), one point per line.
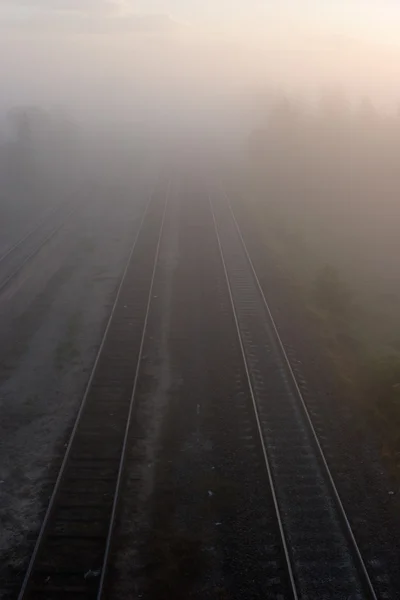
(52, 317)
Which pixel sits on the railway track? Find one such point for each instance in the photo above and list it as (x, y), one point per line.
(279, 524)
(13, 260)
(71, 553)
(322, 556)
(208, 529)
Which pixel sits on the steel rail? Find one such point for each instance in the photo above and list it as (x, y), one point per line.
(64, 463)
(254, 403)
(129, 418)
(366, 580)
(29, 233)
(34, 252)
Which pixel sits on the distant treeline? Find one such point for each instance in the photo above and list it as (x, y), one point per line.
(45, 151)
(332, 147)
(323, 159)
(37, 150)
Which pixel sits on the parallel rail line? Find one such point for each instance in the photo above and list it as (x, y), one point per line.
(322, 555)
(11, 248)
(72, 549)
(12, 263)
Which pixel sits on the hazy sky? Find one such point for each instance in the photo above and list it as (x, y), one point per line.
(371, 19)
(114, 51)
(376, 19)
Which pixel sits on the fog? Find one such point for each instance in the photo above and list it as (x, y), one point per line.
(101, 91)
(285, 114)
(98, 87)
